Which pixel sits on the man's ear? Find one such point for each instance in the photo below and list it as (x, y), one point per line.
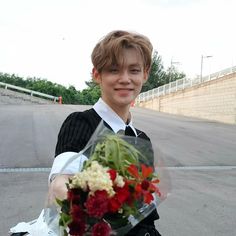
(96, 76)
(146, 75)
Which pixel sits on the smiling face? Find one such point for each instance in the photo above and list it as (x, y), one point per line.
(120, 84)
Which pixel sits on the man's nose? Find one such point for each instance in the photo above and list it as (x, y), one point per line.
(124, 77)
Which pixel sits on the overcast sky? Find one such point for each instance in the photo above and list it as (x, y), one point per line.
(53, 39)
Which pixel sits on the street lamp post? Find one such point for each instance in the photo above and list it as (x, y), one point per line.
(202, 57)
(172, 63)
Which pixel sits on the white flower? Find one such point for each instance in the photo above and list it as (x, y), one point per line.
(119, 181)
(79, 180)
(93, 178)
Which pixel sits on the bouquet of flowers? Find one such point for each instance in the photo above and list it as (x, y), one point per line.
(116, 188)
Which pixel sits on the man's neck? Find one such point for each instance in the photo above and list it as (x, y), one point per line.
(123, 113)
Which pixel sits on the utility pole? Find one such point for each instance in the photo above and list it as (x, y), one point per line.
(172, 63)
(202, 57)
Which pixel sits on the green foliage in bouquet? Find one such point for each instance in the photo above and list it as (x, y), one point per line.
(116, 153)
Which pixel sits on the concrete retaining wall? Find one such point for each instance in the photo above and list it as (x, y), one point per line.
(213, 100)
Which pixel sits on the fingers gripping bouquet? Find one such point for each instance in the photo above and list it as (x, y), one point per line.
(115, 189)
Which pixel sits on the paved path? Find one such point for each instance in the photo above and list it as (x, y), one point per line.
(200, 156)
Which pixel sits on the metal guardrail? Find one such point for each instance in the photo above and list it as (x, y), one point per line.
(181, 84)
(31, 92)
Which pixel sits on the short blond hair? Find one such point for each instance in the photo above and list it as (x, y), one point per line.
(109, 49)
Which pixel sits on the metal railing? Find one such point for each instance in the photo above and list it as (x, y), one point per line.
(31, 92)
(181, 84)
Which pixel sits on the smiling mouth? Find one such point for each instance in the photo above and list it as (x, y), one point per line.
(124, 89)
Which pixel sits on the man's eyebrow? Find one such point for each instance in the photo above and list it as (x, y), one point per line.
(135, 64)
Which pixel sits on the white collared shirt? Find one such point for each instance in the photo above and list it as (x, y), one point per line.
(111, 118)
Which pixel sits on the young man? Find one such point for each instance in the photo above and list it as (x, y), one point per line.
(122, 62)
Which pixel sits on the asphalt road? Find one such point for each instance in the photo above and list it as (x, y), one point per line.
(200, 157)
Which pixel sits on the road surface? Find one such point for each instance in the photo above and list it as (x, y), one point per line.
(200, 157)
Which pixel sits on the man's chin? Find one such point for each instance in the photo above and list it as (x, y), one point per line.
(127, 102)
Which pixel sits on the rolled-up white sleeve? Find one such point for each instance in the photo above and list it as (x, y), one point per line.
(67, 163)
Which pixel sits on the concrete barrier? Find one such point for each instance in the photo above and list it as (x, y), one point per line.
(12, 97)
(213, 100)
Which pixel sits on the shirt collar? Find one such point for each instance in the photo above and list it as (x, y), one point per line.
(111, 117)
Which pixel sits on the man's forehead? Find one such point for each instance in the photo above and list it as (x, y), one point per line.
(129, 58)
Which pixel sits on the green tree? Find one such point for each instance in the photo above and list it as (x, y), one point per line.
(156, 75)
(91, 94)
(172, 74)
(70, 95)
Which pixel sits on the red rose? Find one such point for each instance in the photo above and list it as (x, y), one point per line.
(97, 204)
(76, 212)
(114, 204)
(112, 174)
(77, 228)
(101, 229)
(122, 195)
(73, 195)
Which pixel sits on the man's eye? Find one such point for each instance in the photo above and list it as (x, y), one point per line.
(113, 70)
(135, 71)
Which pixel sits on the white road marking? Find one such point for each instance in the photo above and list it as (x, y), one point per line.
(47, 170)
